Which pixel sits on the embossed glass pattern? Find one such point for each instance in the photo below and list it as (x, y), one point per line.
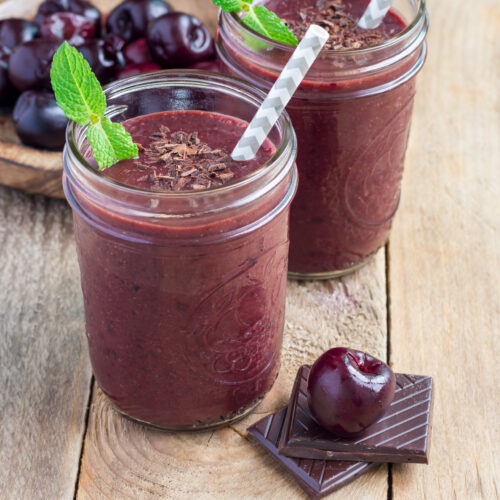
(184, 292)
(352, 117)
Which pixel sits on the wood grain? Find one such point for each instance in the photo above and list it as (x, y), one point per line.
(37, 171)
(125, 460)
(44, 369)
(444, 254)
(443, 267)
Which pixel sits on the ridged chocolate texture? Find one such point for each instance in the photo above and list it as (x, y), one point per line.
(400, 435)
(316, 477)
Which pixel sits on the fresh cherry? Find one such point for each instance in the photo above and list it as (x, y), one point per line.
(99, 54)
(348, 390)
(8, 93)
(29, 64)
(67, 26)
(14, 31)
(137, 52)
(81, 7)
(40, 122)
(178, 40)
(5, 87)
(136, 69)
(114, 46)
(130, 18)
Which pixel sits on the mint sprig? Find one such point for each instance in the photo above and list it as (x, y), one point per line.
(80, 95)
(260, 19)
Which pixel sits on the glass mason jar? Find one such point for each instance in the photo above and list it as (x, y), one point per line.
(352, 118)
(184, 292)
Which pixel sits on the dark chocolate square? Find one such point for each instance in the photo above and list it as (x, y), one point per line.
(316, 477)
(400, 435)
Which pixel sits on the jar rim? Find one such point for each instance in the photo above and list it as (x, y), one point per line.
(188, 79)
(412, 28)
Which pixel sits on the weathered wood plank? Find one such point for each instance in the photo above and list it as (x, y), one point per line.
(44, 368)
(444, 265)
(126, 460)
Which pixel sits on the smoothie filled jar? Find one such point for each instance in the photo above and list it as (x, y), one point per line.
(352, 118)
(183, 253)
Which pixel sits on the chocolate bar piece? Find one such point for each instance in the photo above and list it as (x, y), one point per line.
(400, 435)
(316, 477)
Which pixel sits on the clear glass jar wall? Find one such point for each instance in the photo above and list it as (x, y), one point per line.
(184, 292)
(352, 118)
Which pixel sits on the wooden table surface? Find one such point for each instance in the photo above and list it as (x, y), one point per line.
(429, 303)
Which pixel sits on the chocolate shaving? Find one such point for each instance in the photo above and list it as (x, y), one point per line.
(180, 161)
(335, 17)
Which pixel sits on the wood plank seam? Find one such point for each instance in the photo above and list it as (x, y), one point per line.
(84, 435)
(387, 256)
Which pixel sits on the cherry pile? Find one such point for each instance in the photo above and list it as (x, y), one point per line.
(136, 37)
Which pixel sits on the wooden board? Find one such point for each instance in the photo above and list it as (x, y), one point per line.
(25, 168)
(37, 171)
(444, 255)
(444, 317)
(44, 368)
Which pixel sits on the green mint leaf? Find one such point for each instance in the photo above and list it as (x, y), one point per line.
(232, 5)
(267, 23)
(80, 95)
(77, 90)
(260, 19)
(110, 142)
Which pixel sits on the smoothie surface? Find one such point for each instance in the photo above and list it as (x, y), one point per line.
(185, 151)
(339, 18)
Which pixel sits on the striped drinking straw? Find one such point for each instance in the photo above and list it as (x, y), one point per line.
(374, 14)
(273, 105)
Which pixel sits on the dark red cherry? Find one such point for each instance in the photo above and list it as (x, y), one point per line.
(40, 122)
(130, 18)
(67, 26)
(29, 64)
(82, 7)
(14, 31)
(8, 93)
(136, 69)
(137, 52)
(348, 390)
(102, 60)
(114, 45)
(179, 40)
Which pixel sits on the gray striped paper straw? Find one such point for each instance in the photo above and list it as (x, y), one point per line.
(281, 92)
(374, 14)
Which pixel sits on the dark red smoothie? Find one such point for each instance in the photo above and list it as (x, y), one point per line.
(184, 314)
(352, 118)
(198, 137)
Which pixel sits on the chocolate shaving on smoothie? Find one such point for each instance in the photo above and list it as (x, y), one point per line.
(180, 161)
(336, 17)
